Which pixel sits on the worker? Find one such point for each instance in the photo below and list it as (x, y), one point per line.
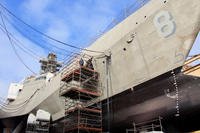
(81, 62)
(89, 64)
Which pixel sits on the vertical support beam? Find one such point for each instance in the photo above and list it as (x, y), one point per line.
(78, 124)
(160, 118)
(152, 126)
(108, 58)
(134, 126)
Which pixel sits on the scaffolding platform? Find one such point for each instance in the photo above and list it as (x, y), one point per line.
(83, 109)
(147, 126)
(83, 119)
(76, 93)
(79, 73)
(80, 83)
(84, 128)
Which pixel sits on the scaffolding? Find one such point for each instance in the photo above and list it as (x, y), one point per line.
(147, 126)
(81, 89)
(31, 128)
(40, 126)
(192, 66)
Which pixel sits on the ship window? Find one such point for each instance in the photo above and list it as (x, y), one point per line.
(124, 49)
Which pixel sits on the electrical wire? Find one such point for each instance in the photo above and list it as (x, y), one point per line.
(41, 45)
(26, 50)
(13, 107)
(45, 35)
(22, 47)
(13, 47)
(44, 42)
(66, 56)
(7, 109)
(36, 42)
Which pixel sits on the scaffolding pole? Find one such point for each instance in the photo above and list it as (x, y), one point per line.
(81, 90)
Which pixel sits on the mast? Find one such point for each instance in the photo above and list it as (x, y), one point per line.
(49, 64)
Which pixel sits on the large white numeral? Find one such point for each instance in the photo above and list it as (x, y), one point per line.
(164, 24)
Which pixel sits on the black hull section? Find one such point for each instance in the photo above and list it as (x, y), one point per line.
(12, 122)
(150, 100)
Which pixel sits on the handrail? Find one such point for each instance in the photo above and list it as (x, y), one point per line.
(120, 17)
(194, 58)
(191, 63)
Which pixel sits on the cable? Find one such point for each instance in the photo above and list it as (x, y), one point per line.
(23, 104)
(45, 42)
(23, 48)
(11, 110)
(13, 47)
(20, 105)
(36, 42)
(120, 17)
(49, 37)
(41, 45)
(13, 107)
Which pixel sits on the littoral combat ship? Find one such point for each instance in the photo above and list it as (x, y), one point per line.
(134, 84)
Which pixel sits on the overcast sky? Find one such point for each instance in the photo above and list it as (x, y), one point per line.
(72, 21)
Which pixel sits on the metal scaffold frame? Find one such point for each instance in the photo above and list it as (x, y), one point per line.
(191, 64)
(40, 126)
(81, 89)
(147, 126)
